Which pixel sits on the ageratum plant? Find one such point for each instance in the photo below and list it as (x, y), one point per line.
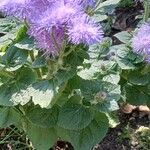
(60, 76)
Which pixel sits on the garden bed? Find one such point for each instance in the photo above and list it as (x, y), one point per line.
(61, 83)
(123, 137)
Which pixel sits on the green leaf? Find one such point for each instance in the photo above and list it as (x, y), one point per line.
(5, 76)
(42, 93)
(97, 92)
(96, 69)
(74, 116)
(90, 88)
(9, 116)
(96, 50)
(137, 95)
(7, 24)
(124, 37)
(14, 92)
(42, 138)
(62, 99)
(6, 40)
(137, 78)
(113, 91)
(63, 76)
(39, 62)
(125, 64)
(100, 17)
(10, 29)
(107, 106)
(21, 33)
(77, 57)
(26, 43)
(86, 138)
(25, 76)
(45, 118)
(113, 119)
(112, 78)
(87, 73)
(14, 58)
(108, 5)
(125, 58)
(6, 92)
(106, 99)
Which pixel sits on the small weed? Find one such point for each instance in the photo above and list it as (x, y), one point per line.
(143, 137)
(125, 135)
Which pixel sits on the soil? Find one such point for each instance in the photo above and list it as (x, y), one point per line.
(126, 17)
(126, 20)
(113, 140)
(12, 139)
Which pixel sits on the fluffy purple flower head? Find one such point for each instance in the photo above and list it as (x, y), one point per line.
(88, 3)
(84, 30)
(36, 7)
(24, 9)
(83, 3)
(14, 7)
(59, 14)
(49, 42)
(141, 41)
(50, 20)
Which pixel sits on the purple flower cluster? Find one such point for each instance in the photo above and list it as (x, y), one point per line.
(53, 21)
(141, 41)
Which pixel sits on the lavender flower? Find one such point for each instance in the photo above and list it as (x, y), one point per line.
(49, 42)
(50, 20)
(141, 41)
(14, 7)
(83, 3)
(57, 17)
(84, 30)
(24, 9)
(89, 3)
(60, 14)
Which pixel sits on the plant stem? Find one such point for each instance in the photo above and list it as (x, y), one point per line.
(32, 59)
(55, 42)
(51, 68)
(7, 74)
(98, 3)
(146, 10)
(146, 69)
(32, 56)
(69, 51)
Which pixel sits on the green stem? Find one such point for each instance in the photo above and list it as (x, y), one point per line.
(69, 51)
(33, 59)
(97, 5)
(51, 68)
(55, 65)
(32, 56)
(146, 10)
(22, 110)
(146, 69)
(7, 74)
